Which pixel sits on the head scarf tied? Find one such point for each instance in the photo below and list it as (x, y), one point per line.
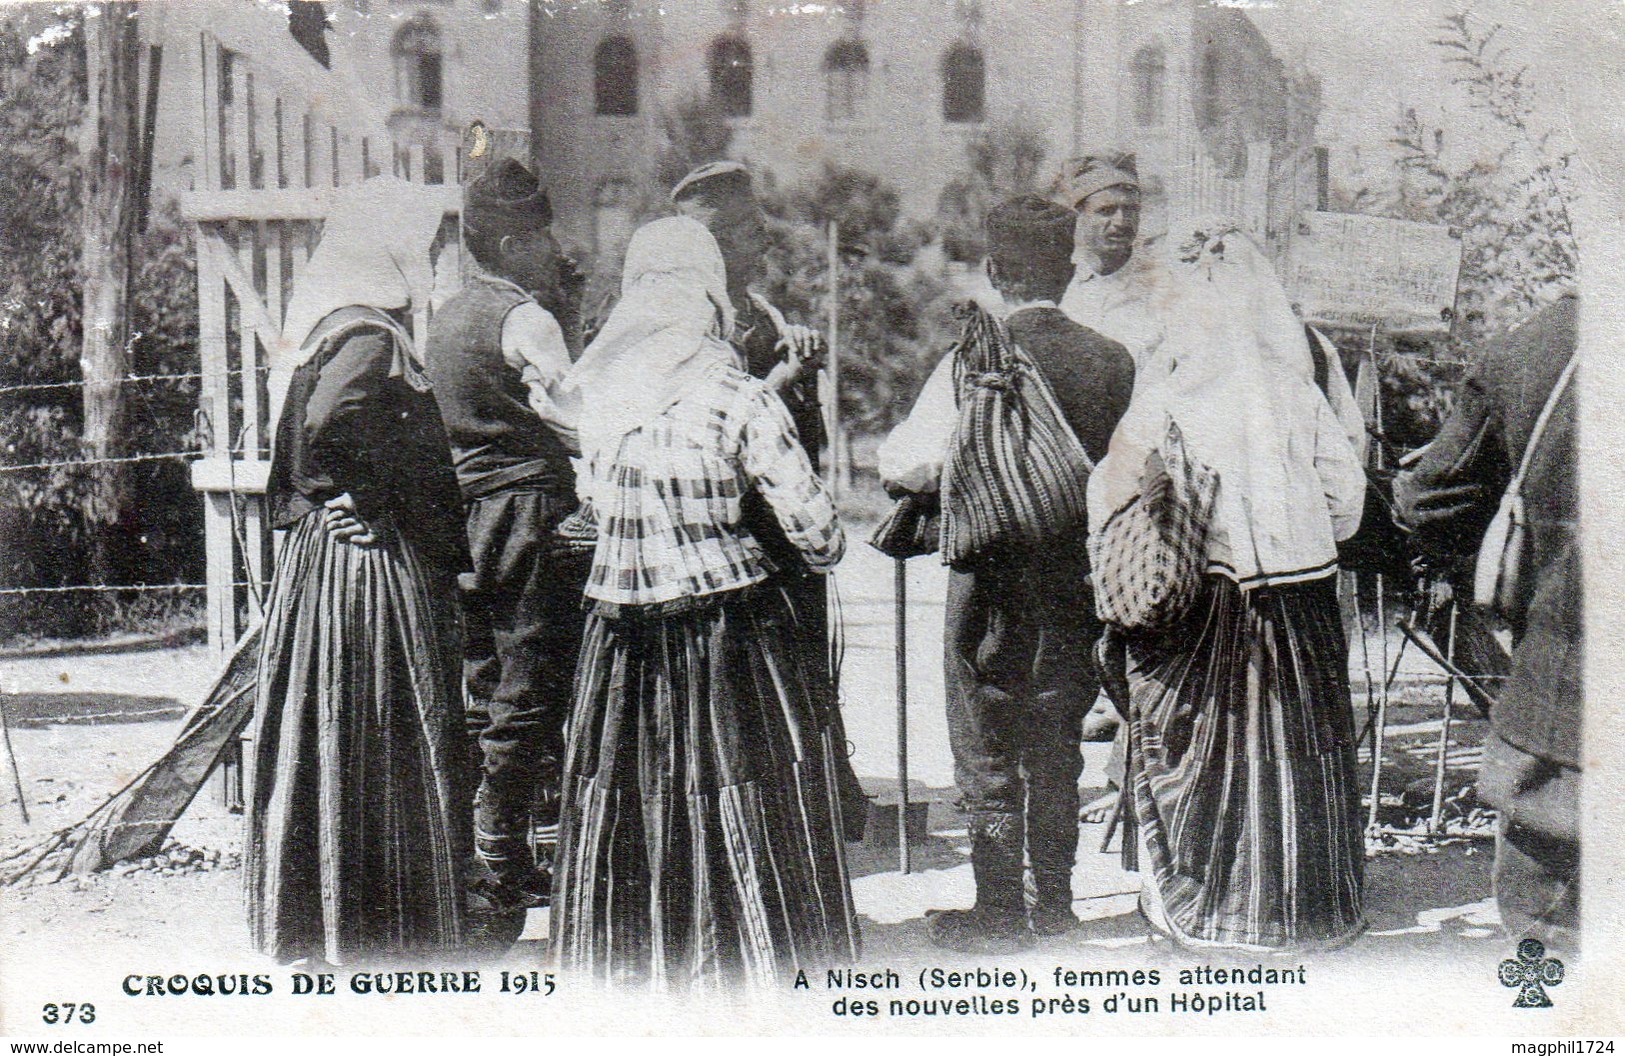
(374, 253)
(669, 327)
(1084, 175)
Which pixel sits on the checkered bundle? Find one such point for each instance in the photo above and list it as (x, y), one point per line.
(1149, 557)
(1015, 473)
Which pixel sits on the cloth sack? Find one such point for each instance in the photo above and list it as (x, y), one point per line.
(913, 528)
(1015, 476)
(1149, 558)
(1502, 566)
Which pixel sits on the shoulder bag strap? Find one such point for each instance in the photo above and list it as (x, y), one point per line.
(1541, 422)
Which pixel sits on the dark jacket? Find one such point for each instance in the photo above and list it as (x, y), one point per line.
(1091, 376)
(357, 418)
(1449, 497)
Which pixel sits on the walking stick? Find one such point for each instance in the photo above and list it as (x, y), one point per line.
(900, 579)
(1444, 728)
(1380, 733)
(11, 758)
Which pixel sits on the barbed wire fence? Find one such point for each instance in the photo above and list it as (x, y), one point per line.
(186, 456)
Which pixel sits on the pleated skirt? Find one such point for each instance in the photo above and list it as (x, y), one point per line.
(355, 836)
(1242, 756)
(700, 841)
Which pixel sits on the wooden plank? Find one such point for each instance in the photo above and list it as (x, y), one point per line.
(303, 152)
(237, 143)
(271, 237)
(292, 203)
(208, 172)
(246, 476)
(217, 552)
(226, 265)
(416, 172)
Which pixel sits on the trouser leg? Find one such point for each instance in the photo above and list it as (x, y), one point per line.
(988, 655)
(532, 595)
(1065, 683)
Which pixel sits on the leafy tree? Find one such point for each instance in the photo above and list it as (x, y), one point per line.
(44, 534)
(1002, 161)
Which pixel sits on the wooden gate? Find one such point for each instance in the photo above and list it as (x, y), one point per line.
(267, 161)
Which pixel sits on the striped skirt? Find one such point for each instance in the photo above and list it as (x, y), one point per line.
(1241, 747)
(356, 832)
(700, 840)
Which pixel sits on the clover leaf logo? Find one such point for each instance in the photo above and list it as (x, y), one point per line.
(1531, 973)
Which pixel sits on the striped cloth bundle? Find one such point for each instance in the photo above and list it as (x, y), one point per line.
(1015, 473)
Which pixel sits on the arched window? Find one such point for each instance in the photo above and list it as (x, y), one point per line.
(417, 53)
(1148, 70)
(964, 83)
(1207, 90)
(731, 76)
(846, 79)
(615, 77)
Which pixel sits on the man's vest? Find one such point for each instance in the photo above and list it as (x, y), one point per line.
(496, 438)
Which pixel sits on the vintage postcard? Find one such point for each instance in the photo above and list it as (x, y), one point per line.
(1054, 518)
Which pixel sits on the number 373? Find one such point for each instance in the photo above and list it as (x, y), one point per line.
(68, 1013)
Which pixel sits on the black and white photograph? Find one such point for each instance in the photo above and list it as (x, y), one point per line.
(883, 517)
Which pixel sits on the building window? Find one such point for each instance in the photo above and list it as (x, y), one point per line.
(1148, 70)
(615, 77)
(1207, 90)
(731, 76)
(964, 84)
(418, 70)
(846, 79)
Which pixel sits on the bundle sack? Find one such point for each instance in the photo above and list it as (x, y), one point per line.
(1149, 558)
(1015, 475)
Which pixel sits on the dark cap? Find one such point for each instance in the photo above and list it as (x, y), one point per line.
(1084, 175)
(506, 195)
(713, 177)
(1028, 228)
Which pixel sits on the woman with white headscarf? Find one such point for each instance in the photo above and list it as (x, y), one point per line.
(1241, 742)
(356, 825)
(700, 835)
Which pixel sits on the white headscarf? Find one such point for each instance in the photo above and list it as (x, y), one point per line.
(1234, 373)
(374, 253)
(669, 327)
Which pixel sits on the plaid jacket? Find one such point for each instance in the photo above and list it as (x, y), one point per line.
(669, 519)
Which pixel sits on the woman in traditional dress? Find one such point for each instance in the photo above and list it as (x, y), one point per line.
(1241, 743)
(357, 831)
(700, 839)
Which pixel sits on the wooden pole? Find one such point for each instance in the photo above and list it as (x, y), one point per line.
(900, 578)
(832, 412)
(1379, 740)
(11, 758)
(111, 152)
(1435, 815)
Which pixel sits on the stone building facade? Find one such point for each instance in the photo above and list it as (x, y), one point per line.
(898, 87)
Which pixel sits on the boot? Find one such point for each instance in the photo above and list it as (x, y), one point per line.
(997, 923)
(1052, 848)
(501, 842)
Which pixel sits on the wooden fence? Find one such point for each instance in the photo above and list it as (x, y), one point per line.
(267, 161)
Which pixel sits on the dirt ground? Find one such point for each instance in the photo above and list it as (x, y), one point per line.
(83, 725)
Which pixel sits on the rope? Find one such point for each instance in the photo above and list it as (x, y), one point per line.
(102, 461)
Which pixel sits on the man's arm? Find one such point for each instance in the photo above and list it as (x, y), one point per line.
(533, 344)
(1448, 497)
(911, 457)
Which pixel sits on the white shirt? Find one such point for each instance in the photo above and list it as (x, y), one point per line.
(533, 344)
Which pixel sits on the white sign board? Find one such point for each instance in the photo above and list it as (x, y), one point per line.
(1359, 272)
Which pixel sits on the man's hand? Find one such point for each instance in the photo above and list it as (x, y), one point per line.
(343, 524)
(804, 351)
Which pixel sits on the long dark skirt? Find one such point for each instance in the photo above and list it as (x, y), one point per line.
(355, 835)
(700, 839)
(1241, 747)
